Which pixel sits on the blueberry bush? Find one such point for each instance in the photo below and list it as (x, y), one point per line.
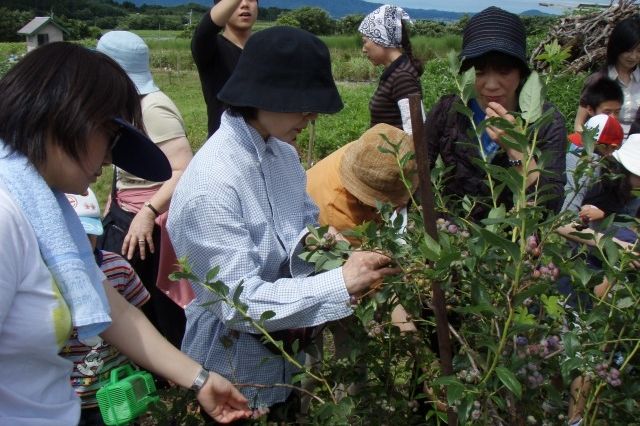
(525, 349)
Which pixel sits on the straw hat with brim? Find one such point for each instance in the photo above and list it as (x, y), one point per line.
(608, 130)
(371, 175)
(283, 69)
(132, 54)
(629, 154)
(138, 155)
(494, 30)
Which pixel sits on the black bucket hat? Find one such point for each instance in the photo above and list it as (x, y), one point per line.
(283, 69)
(494, 30)
(135, 153)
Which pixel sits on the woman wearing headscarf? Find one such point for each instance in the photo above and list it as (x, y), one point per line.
(494, 43)
(385, 41)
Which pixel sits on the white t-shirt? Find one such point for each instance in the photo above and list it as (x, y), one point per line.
(34, 325)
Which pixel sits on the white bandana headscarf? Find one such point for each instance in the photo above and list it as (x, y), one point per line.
(384, 25)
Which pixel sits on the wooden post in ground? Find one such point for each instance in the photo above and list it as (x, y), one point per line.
(429, 217)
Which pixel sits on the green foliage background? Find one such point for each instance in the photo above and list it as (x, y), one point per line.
(175, 73)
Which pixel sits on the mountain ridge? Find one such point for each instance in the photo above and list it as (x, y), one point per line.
(338, 9)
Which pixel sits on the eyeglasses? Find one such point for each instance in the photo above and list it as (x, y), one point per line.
(114, 139)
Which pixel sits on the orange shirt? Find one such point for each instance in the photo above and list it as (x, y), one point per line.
(337, 206)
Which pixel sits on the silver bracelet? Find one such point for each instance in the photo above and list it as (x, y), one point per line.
(200, 380)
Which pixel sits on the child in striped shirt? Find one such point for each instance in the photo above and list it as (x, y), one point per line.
(94, 360)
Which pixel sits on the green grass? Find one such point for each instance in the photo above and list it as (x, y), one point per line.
(175, 74)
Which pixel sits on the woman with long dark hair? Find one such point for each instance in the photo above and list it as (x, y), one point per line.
(623, 57)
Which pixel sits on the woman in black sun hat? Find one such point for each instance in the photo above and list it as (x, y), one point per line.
(242, 206)
(494, 43)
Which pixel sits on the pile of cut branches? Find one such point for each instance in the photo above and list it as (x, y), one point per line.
(586, 36)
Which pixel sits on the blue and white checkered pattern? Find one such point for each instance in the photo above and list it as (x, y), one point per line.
(242, 205)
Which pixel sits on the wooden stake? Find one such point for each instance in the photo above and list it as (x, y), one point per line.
(429, 217)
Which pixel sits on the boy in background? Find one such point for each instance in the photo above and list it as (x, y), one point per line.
(603, 96)
(94, 360)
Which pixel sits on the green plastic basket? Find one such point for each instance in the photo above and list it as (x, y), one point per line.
(126, 396)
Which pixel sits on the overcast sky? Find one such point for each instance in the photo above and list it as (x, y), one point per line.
(515, 6)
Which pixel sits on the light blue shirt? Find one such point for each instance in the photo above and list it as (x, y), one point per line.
(241, 204)
(572, 198)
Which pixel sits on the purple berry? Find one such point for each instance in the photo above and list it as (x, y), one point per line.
(614, 373)
(521, 341)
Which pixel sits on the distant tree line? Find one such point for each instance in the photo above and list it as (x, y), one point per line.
(88, 18)
(319, 22)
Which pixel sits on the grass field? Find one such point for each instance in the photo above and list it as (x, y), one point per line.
(175, 73)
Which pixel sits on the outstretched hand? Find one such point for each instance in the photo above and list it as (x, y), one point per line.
(365, 268)
(222, 401)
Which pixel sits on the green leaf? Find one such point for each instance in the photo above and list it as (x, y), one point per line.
(213, 273)
(453, 62)
(267, 315)
(496, 240)
(625, 302)
(226, 341)
(479, 295)
(571, 343)
(496, 215)
(568, 366)
(465, 408)
(332, 264)
(237, 293)
(430, 248)
(532, 98)
(384, 150)
(612, 251)
(455, 392)
(523, 316)
(552, 307)
(509, 380)
(582, 273)
(468, 84)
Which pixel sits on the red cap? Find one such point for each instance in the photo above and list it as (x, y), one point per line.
(609, 130)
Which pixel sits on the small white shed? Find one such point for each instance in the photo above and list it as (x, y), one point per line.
(41, 30)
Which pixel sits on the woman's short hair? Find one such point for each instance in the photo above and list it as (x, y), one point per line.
(247, 113)
(624, 37)
(61, 92)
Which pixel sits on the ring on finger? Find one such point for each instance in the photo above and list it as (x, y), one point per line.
(141, 241)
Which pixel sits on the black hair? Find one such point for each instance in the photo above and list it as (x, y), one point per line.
(246, 112)
(616, 181)
(59, 93)
(408, 50)
(496, 60)
(635, 126)
(624, 37)
(601, 90)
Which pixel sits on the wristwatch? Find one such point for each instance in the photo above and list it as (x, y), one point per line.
(153, 209)
(200, 380)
